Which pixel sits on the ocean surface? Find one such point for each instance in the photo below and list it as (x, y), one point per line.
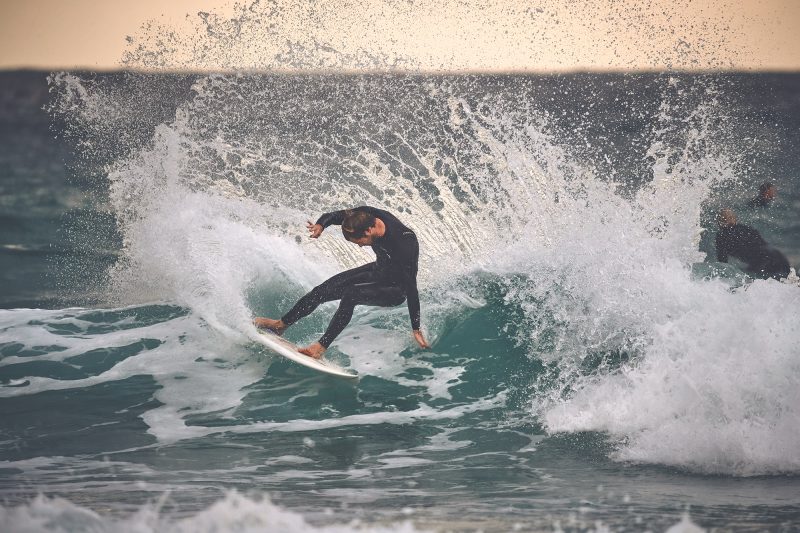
(593, 368)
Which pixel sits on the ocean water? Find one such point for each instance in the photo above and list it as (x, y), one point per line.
(592, 367)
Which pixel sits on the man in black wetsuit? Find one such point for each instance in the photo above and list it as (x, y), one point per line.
(746, 244)
(387, 282)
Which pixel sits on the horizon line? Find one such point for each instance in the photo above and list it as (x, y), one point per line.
(403, 72)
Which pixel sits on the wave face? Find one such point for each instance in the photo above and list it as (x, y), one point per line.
(580, 334)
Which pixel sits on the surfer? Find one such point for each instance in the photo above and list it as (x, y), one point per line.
(766, 195)
(386, 282)
(746, 244)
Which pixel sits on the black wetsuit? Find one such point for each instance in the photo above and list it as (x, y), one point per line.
(387, 282)
(746, 244)
(759, 201)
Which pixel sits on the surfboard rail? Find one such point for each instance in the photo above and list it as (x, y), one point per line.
(288, 350)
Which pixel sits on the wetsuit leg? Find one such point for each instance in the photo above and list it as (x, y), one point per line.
(331, 289)
(372, 293)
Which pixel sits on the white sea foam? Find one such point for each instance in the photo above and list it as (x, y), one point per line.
(235, 512)
(239, 513)
(424, 412)
(191, 357)
(383, 359)
(712, 381)
(715, 389)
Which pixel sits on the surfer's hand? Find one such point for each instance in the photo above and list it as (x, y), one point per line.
(315, 230)
(420, 338)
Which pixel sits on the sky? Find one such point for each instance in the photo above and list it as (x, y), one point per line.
(430, 35)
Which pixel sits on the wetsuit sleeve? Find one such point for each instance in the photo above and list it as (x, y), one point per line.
(410, 254)
(334, 217)
(337, 217)
(722, 248)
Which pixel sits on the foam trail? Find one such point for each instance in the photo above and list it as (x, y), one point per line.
(187, 356)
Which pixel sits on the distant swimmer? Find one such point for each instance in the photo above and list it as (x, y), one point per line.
(386, 282)
(767, 192)
(746, 244)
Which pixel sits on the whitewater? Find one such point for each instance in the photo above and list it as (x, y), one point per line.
(592, 366)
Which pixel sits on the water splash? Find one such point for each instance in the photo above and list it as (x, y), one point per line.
(211, 205)
(358, 36)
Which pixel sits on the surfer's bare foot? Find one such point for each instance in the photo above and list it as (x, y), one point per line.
(313, 350)
(276, 326)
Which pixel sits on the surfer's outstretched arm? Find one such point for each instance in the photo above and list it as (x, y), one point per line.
(333, 218)
(410, 254)
(315, 229)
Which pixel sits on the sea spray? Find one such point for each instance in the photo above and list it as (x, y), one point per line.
(583, 335)
(678, 370)
(212, 210)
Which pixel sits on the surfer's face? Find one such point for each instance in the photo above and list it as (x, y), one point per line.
(366, 240)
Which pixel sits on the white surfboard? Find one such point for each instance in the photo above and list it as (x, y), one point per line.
(285, 348)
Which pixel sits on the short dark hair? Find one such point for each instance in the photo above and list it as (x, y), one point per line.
(356, 223)
(764, 187)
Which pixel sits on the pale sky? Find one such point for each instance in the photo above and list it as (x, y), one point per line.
(431, 35)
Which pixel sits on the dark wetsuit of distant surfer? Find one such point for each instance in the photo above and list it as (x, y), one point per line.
(746, 244)
(388, 281)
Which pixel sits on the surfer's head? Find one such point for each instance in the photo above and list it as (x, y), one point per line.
(767, 191)
(359, 227)
(726, 217)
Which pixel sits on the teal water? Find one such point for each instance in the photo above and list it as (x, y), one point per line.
(592, 366)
